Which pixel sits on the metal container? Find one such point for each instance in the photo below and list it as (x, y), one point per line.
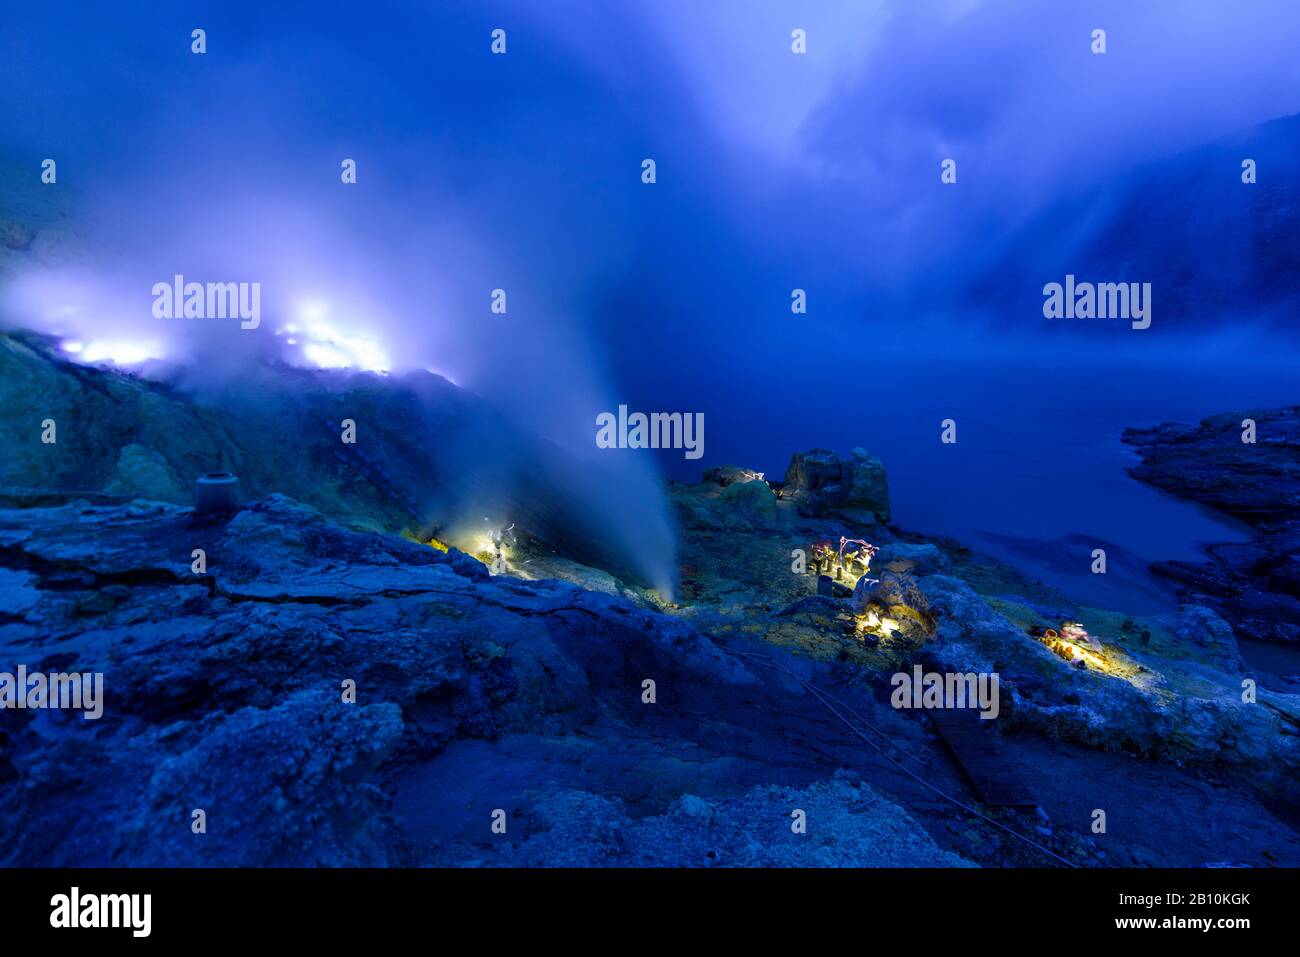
(216, 493)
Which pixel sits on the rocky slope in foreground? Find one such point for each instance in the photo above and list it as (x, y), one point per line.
(225, 692)
(1165, 687)
(1254, 585)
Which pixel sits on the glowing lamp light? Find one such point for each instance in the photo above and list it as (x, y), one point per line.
(1072, 643)
(877, 624)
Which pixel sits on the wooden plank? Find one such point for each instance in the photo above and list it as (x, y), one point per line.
(977, 746)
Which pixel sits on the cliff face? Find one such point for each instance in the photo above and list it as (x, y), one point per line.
(1255, 585)
(278, 430)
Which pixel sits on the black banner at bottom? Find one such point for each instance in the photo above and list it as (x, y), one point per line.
(333, 906)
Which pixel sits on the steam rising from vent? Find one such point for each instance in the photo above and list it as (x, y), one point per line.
(391, 275)
(533, 456)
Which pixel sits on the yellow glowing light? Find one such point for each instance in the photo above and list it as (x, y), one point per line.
(1072, 650)
(877, 624)
(1090, 657)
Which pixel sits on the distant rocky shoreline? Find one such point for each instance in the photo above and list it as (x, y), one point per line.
(1254, 585)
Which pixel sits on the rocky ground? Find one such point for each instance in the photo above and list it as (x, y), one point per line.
(225, 692)
(1165, 689)
(1255, 585)
(476, 693)
(230, 688)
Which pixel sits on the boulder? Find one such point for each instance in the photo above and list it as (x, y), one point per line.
(819, 481)
(725, 475)
(754, 500)
(1201, 627)
(142, 472)
(898, 595)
